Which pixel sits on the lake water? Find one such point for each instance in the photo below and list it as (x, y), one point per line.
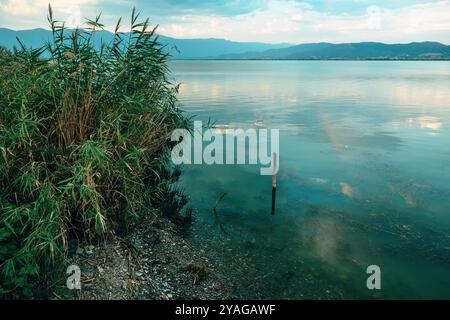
(364, 177)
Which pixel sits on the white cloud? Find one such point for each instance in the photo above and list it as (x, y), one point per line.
(291, 21)
(32, 13)
(31, 7)
(275, 20)
(280, 17)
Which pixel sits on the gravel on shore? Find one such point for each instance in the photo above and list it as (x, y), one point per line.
(155, 262)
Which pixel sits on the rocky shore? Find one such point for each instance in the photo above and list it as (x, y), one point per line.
(154, 262)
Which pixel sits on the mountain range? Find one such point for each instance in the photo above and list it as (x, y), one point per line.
(351, 51)
(185, 48)
(229, 50)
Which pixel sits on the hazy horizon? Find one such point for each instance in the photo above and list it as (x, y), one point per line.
(280, 43)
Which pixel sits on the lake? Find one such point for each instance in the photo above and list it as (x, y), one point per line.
(364, 177)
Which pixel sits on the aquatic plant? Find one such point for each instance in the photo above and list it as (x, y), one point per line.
(83, 133)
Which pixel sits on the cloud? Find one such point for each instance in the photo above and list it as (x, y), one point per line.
(226, 8)
(32, 7)
(274, 20)
(293, 21)
(299, 22)
(20, 14)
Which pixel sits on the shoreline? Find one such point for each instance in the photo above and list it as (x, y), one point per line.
(153, 262)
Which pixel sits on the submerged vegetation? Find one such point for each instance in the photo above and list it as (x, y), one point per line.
(84, 137)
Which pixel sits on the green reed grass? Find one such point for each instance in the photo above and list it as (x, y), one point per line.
(83, 142)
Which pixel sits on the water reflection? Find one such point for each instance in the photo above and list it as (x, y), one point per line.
(347, 190)
(363, 178)
(426, 122)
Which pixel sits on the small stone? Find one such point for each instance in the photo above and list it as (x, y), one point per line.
(100, 269)
(170, 296)
(89, 249)
(80, 251)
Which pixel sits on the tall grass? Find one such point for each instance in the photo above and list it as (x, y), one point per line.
(83, 139)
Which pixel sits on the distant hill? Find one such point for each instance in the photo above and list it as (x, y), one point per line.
(187, 48)
(351, 51)
(230, 50)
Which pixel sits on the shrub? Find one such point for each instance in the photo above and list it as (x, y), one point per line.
(83, 134)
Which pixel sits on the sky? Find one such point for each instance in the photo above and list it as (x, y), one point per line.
(274, 21)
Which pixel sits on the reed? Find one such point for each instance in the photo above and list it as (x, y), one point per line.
(83, 138)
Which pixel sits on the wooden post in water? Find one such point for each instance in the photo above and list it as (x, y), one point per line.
(274, 181)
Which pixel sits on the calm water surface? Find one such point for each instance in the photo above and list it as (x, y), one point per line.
(364, 177)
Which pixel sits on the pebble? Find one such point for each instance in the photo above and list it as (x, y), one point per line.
(89, 249)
